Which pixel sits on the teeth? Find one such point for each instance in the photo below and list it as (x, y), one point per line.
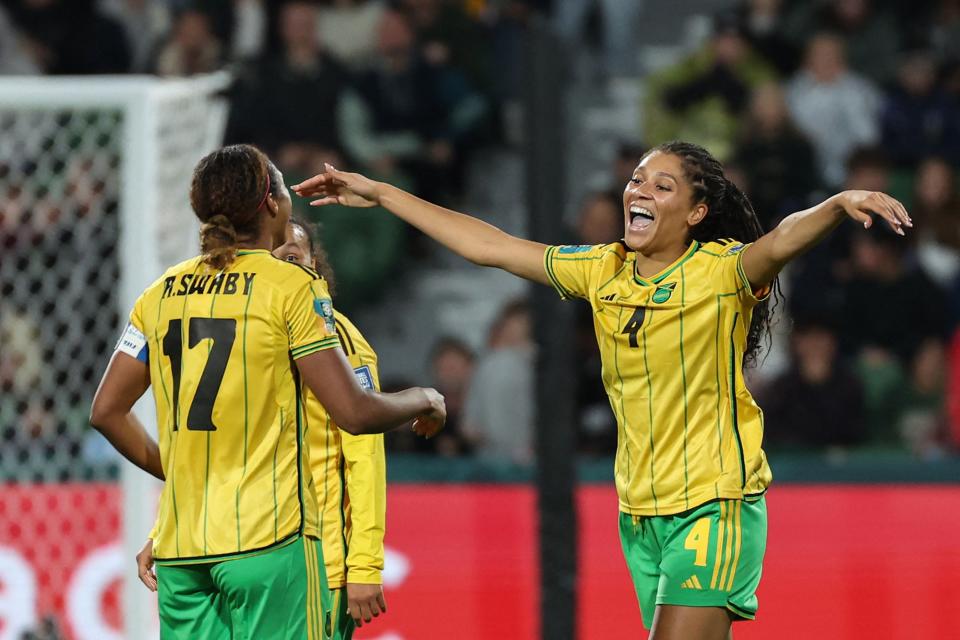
(637, 210)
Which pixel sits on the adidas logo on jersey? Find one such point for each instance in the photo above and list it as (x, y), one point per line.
(608, 298)
(691, 583)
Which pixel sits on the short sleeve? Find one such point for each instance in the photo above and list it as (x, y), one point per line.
(729, 276)
(308, 312)
(133, 340)
(570, 268)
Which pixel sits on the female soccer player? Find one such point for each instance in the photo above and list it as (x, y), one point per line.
(678, 304)
(225, 340)
(349, 471)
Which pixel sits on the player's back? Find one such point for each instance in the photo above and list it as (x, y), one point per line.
(221, 347)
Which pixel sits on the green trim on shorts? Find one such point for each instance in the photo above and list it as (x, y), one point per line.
(343, 623)
(709, 556)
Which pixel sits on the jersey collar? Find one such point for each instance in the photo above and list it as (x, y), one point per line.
(656, 279)
(247, 252)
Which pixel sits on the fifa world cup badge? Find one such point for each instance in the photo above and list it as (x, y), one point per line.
(324, 308)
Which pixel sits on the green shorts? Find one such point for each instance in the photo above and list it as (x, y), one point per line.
(343, 624)
(279, 594)
(710, 556)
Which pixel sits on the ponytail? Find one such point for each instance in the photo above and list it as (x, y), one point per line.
(228, 190)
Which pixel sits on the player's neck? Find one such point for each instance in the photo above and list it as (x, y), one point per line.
(653, 262)
(264, 240)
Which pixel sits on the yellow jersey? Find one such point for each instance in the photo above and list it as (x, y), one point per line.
(350, 475)
(671, 349)
(229, 401)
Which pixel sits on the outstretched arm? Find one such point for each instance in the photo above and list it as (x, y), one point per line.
(799, 232)
(473, 239)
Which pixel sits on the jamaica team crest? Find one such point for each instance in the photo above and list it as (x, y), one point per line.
(663, 292)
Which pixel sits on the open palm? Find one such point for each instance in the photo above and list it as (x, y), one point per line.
(339, 187)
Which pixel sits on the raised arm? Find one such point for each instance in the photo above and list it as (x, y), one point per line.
(473, 239)
(799, 232)
(357, 410)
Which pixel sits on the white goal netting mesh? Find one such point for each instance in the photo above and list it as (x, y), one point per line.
(94, 179)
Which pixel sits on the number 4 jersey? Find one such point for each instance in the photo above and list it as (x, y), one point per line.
(232, 430)
(672, 347)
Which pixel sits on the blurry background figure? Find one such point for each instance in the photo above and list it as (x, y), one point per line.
(702, 98)
(762, 23)
(498, 416)
(919, 118)
(192, 47)
(349, 29)
(145, 25)
(409, 117)
(15, 52)
(776, 158)
(600, 220)
(619, 21)
(836, 108)
(451, 367)
(936, 205)
(818, 402)
(249, 30)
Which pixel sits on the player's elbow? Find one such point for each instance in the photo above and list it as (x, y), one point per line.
(100, 413)
(357, 418)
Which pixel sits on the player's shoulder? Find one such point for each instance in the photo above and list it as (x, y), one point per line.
(353, 341)
(589, 251)
(721, 248)
(285, 275)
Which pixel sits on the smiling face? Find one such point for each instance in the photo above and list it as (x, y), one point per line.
(658, 206)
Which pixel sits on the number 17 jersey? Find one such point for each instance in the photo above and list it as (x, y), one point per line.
(232, 432)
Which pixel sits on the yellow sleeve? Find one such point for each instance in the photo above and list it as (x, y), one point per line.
(728, 274)
(366, 480)
(308, 313)
(570, 268)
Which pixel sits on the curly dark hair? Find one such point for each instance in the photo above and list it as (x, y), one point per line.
(321, 262)
(227, 191)
(729, 215)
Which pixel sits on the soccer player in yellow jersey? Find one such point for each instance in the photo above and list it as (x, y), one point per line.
(349, 471)
(228, 340)
(679, 304)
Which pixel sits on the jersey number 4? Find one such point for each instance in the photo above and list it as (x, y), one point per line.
(223, 332)
(633, 325)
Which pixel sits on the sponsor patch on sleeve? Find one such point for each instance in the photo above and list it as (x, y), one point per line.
(364, 377)
(737, 248)
(133, 343)
(575, 248)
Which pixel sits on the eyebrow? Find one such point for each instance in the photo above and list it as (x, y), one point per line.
(658, 173)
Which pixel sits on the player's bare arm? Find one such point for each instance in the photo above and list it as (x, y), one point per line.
(480, 243)
(800, 231)
(124, 381)
(357, 410)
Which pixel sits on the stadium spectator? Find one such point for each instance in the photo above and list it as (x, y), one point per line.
(498, 415)
(287, 102)
(249, 36)
(836, 108)
(762, 23)
(868, 29)
(936, 207)
(192, 47)
(923, 421)
(945, 30)
(70, 37)
(953, 391)
(778, 160)
(818, 402)
(449, 36)
(15, 52)
(702, 98)
(349, 30)
(409, 117)
(919, 118)
(600, 220)
(451, 365)
(619, 20)
(145, 25)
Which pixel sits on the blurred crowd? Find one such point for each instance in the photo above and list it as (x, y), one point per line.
(798, 98)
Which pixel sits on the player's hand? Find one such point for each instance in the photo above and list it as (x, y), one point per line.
(339, 187)
(145, 566)
(860, 204)
(365, 602)
(430, 423)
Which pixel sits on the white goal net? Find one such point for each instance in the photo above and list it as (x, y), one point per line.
(94, 179)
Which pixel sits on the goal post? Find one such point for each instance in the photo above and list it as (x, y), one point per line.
(100, 165)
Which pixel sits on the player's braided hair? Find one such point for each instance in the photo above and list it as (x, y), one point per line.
(228, 190)
(321, 262)
(729, 215)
